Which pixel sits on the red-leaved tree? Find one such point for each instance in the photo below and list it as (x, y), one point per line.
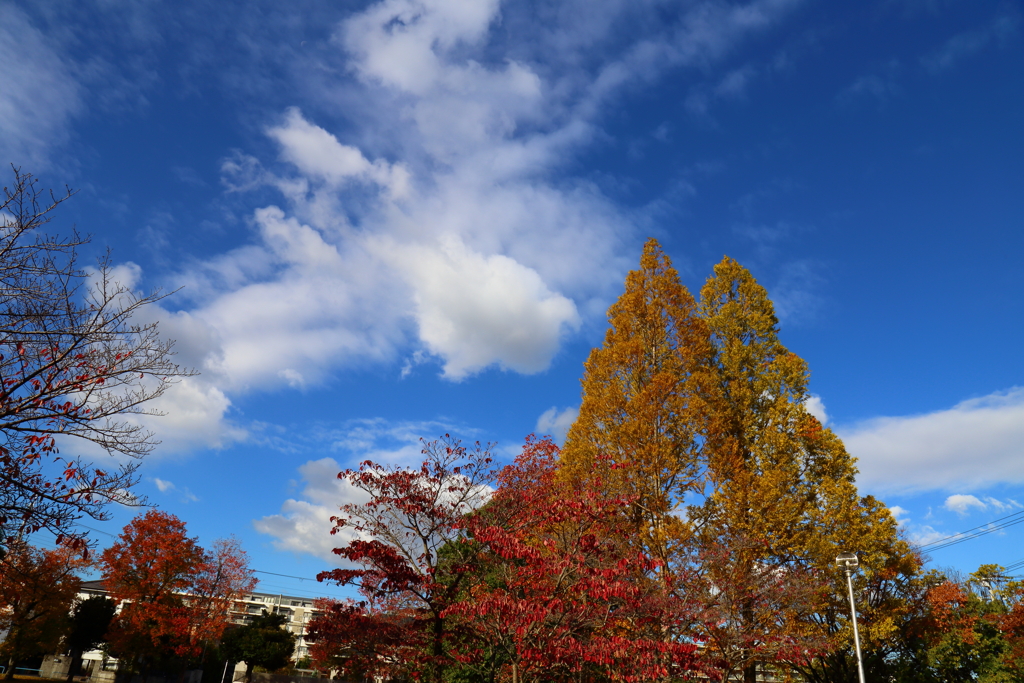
(365, 639)
(176, 595)
(37, 589)
(75, 372)
(566, 597)
(408, 582)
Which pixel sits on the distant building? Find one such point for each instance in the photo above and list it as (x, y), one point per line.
(299, 611)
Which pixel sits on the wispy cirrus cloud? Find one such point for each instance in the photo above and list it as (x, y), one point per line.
(40, 93)
(963, 45)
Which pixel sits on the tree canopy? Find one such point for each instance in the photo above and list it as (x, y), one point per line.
(175, 595)
(37, 590)
(689, 526)
(264, 641)
(75, 368)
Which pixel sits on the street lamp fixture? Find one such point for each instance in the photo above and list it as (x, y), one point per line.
(849, 562)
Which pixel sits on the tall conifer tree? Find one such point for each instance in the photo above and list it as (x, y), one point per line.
(640, 403)
(734, 483)
(781, 493)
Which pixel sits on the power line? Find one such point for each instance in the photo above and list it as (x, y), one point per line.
(48, 544)
(287, 576)
(975, 532)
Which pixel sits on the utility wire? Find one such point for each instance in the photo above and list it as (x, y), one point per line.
(975, 532)
(51, 545)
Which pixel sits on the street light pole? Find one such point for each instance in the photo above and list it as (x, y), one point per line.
(849, 562)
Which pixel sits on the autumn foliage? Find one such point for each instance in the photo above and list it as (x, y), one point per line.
(567, 598)
(74, 370)
(410, 518)
(37, 589)
(688, 528)
(176, 595)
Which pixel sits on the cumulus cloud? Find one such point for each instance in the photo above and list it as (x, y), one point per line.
(816, 407)
(453, 242)
(962, 504)
(557, 422)
(318, 154)
(475, 311)
(975, 443)
(303, 525)
(193, 415)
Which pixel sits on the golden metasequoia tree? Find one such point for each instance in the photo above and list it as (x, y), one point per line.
(744, 496)
(641, 405)
(781, 494)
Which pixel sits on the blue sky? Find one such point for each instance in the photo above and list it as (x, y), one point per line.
(394, 219)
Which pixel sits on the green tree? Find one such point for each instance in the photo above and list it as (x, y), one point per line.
(263, 642)
(642, 406)
(90, 620)
(959, 634)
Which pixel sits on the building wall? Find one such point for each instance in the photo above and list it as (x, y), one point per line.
(298, 610)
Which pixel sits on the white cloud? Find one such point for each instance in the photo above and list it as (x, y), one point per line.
(920, 534)
(438, 224)
(962, 503)
(924, 534)
(164, 486)
(303, 525)
(898, 513)
(454, 242)
(816, 407)
(194, 416)
(475, 311)
(976, 443)
(318, 154)
(557, 422)
(39, 93)
(294, 306)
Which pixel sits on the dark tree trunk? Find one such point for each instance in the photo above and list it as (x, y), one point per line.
(75, 665)
(438, 649)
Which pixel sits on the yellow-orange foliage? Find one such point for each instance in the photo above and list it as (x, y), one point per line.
(705, 409)
(640, 402)
(781, 487)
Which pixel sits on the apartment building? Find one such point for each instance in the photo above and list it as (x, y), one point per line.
(298, 610)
